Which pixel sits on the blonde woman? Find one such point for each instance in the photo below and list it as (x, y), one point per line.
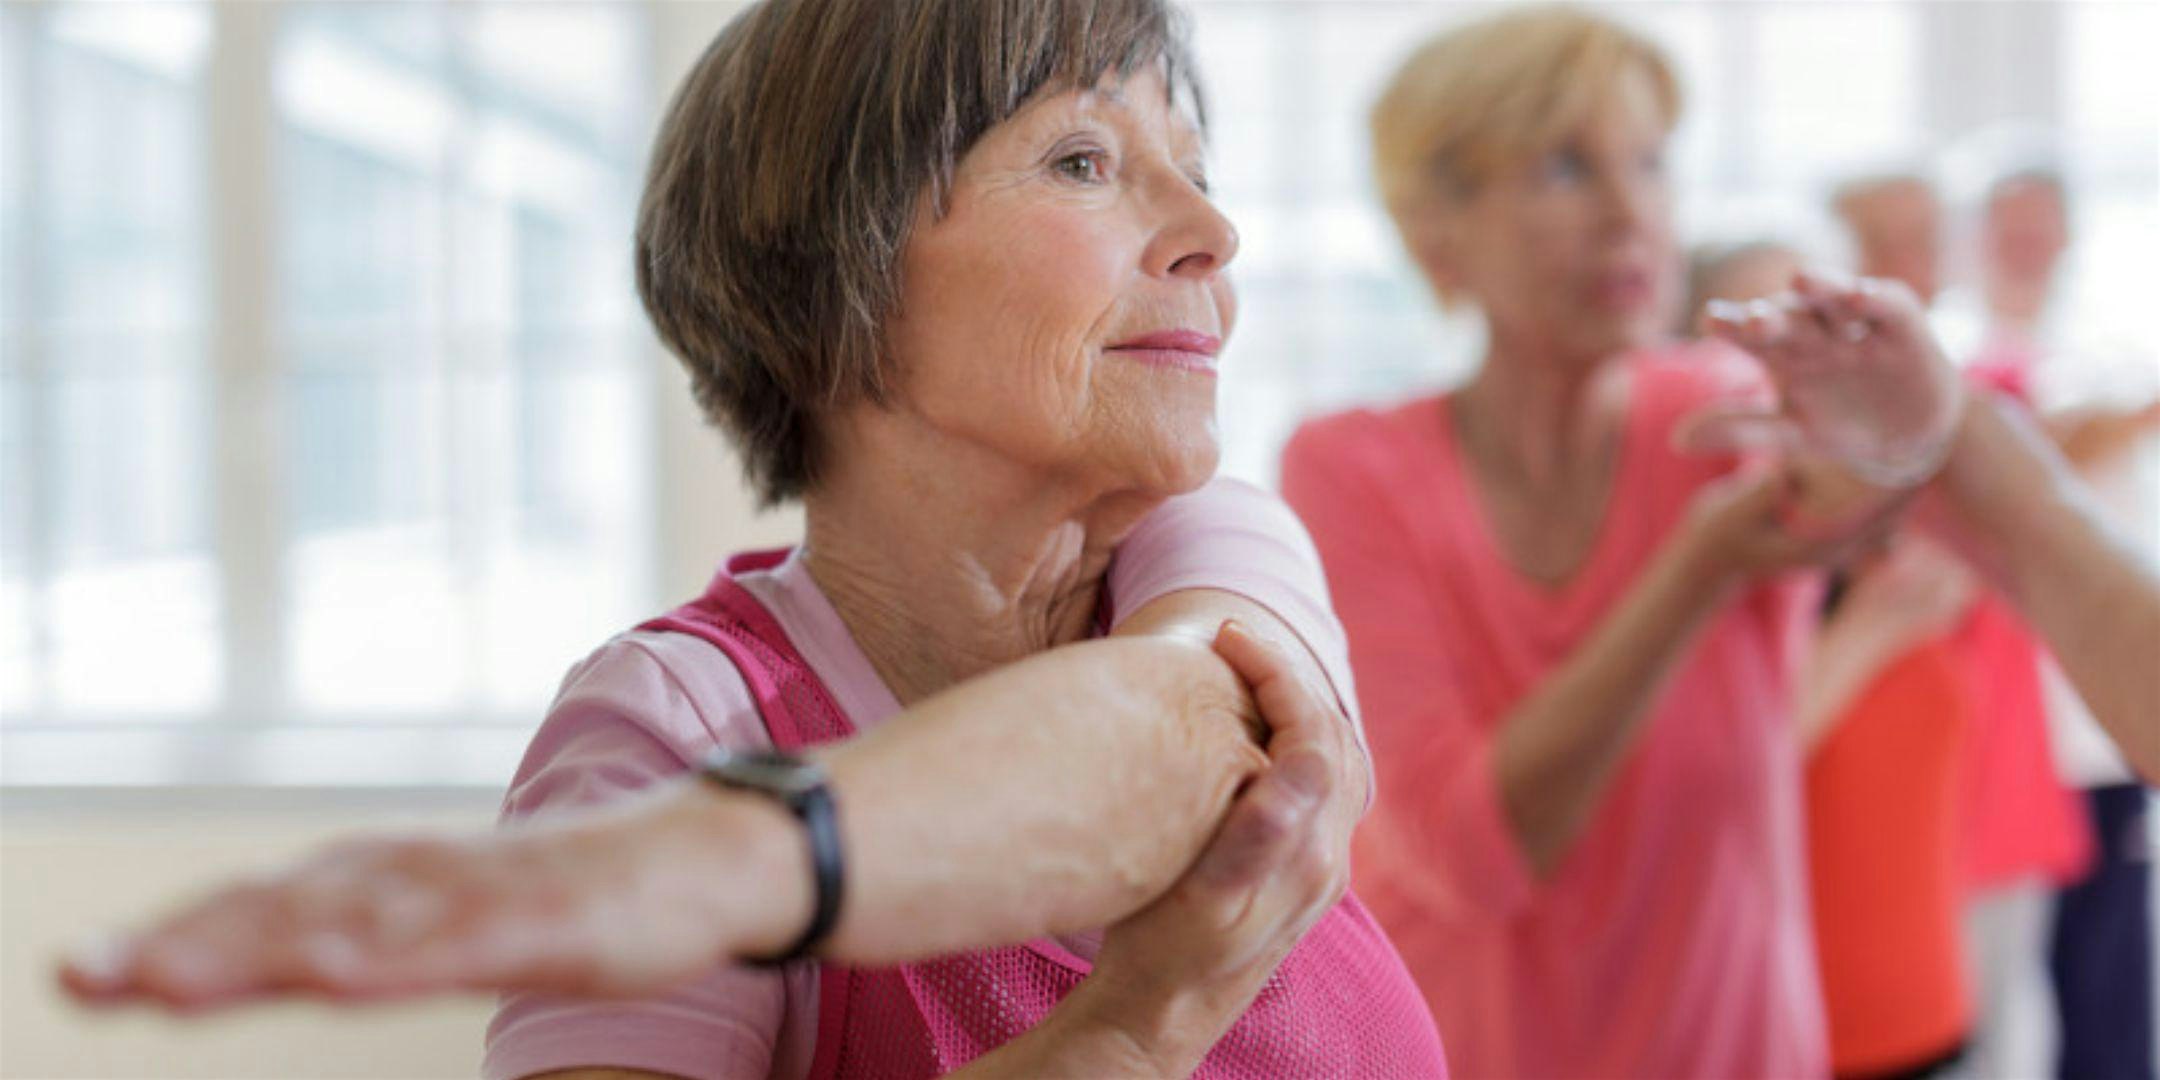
(1576, 645)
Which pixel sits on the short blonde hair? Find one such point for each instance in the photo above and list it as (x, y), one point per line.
(1499, 91)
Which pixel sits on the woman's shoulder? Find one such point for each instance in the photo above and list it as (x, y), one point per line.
(1365, 439)
(1367, 424)
(643, 706)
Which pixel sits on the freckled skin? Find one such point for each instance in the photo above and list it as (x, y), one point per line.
(1009, 298)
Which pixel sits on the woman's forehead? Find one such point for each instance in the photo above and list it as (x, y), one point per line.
(1141, 99)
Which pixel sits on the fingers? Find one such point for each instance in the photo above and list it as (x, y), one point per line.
(1266, 826)
(1822, 310)
(1757, 326)
(1294, 713)
(1735, 430)
(1751, 491)
(362, 921)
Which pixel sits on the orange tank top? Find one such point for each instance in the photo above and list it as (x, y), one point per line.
(1883, 798)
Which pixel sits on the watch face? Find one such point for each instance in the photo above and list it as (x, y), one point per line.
(783, 774)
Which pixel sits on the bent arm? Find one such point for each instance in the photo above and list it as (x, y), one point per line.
(1846, 658)
(2009, 500)
(1130, 752)
(1054, 795)
(1557, 751)
(1488, 803)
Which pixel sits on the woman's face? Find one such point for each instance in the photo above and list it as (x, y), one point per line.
(1574, 248)
(2023, 233)
(1065, 311)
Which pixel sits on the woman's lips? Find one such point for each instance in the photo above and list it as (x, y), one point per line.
(1623, 290)
(1188, 350)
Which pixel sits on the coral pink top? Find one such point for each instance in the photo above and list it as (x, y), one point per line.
(647, 704)
(1673, 939)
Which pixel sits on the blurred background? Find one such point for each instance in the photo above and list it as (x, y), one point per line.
(331, 432)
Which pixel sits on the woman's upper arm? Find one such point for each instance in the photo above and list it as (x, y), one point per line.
(1232, 551)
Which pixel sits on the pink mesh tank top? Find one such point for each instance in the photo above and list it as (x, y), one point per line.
(1341, 1004)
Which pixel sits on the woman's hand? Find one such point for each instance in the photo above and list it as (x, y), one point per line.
(1860, 377)
(1775, 515)
(1174, 976)
(618, 901)
(1280, 859)
(1916, 591)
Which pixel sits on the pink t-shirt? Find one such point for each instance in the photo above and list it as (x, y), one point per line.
(1674, 937)
(645, 706)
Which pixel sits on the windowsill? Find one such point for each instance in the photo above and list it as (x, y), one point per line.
(468, 757)
(24, 804)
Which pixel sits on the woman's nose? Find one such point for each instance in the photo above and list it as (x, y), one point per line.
(1631, 202)
(1196, 240)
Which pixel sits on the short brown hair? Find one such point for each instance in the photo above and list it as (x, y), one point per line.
(792, 162)
(1496, 92)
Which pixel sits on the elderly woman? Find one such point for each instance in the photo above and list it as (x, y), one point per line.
(947, 272)
(1576, 644)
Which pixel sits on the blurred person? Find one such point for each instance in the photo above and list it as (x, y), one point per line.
(1575, 642)
(2024, 231)
(2024, 834)
(1895, 221)
(2100, 937)
(1883, 716)
(962, 295)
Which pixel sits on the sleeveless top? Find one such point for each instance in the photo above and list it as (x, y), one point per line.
(1340, 1005)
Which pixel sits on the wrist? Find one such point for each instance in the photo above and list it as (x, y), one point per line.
(1137, 1031)
(1698, 571)
(1995, 470)
(746, 860)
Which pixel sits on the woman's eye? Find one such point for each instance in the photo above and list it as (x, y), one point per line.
(1085, 166)
(1564, 166)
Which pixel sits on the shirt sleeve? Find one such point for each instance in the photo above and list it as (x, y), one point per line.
(622, 721)
(1440, 840)
(1237, 538)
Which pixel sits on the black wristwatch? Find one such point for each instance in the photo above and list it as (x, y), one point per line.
(803, 787)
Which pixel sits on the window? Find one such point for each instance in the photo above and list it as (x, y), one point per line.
(456, 330)
(103, 380)
(327, 413)
(327, 417)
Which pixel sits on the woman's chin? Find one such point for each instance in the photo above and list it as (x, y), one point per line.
(1167, 464)
(1186, 467)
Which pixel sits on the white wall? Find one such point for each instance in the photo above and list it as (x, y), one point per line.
(705, 511)
(73, 863)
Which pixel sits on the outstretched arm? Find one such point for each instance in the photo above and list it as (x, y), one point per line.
(2007, 497)
(1056, 794)
(1172, 978)
(2001, 493)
